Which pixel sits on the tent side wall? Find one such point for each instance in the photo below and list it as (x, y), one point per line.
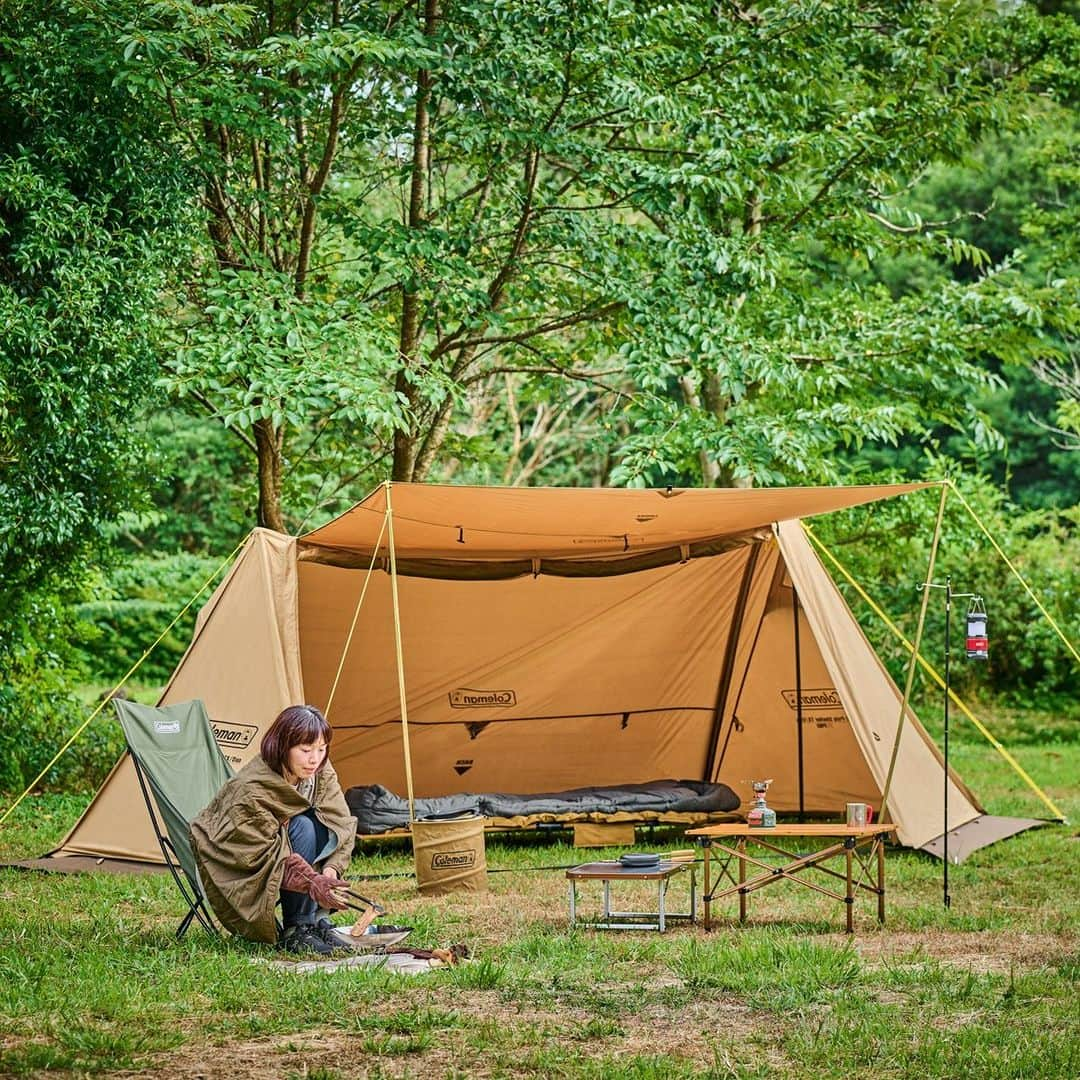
(243, 662)
(916, 799)
(524, 685)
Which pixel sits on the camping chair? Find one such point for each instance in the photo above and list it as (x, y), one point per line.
(180, 769)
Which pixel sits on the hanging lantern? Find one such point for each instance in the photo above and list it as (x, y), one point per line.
(978, 645)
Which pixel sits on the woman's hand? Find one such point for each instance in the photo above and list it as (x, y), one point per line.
(300, 876)
(331, 871)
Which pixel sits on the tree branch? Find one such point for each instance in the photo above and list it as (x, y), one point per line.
(544, 328)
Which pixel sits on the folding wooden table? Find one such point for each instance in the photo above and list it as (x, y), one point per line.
(859, 846)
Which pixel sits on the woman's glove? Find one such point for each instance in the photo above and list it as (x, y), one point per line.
(300, 876)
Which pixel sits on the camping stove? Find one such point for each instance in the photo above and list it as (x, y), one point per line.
(760, 815)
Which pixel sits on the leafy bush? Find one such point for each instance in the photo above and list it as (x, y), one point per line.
(38, 709)
(137, 601)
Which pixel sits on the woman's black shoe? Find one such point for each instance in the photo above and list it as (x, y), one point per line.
(329, 934)
(308, 940)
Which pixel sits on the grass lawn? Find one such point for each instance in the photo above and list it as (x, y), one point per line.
(94, 982)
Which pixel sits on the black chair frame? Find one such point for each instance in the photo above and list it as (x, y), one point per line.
(190, 890)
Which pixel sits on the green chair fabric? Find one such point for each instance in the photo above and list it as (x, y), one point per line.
(177, 758)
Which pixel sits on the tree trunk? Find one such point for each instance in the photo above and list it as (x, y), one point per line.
(406, 443)
(268, 445)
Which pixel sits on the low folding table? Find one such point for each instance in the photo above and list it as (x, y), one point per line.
(861, 847)
(608, 872)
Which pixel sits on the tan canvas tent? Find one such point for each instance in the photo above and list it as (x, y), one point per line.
(557, 638)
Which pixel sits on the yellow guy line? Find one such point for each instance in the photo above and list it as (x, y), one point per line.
(1016, 573)
(131, 671)
(932, 672)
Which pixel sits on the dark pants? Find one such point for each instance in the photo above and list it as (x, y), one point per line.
(308, 838)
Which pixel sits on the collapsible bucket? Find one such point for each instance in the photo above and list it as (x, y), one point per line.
(449, 855)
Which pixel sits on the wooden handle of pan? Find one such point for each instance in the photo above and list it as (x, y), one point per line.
(685, 855)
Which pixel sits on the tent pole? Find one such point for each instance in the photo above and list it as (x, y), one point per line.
(400, 659)
(798, 701)
(945, 814)
(915, 648)
(728, 665)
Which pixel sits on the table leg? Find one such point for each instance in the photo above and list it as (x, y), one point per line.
(607, 899)
(573, 903)
(662, 893)
(705, 886)
(741, 846)
(693, 894)
(849, 899)
(881, 879)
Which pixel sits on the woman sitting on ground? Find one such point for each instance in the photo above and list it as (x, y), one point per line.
(281, 821)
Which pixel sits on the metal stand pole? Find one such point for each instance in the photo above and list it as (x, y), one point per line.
(949, 597)
(945, 836)
(798, 705)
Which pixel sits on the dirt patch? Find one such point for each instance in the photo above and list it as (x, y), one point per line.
(489, 1037)
(987, 952)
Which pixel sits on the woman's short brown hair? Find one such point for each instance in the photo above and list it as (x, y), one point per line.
(297, 725)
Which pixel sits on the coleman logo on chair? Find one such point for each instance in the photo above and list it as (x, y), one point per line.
(453, 860)
(464, 698)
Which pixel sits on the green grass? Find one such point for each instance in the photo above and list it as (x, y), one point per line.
(94, 982)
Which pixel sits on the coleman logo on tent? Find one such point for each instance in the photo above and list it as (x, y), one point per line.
(453, 860)
(464, 698)
(825, 698)
(234, 736)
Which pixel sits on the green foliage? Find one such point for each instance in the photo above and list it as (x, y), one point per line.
(671, 210)
(201, 488)
(90, 215)
(886, 549)
(133, 607)
(38, 709)
(1010, 198)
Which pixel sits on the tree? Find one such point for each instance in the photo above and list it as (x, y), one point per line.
(272, 338)
(89, 219)
(407, 204)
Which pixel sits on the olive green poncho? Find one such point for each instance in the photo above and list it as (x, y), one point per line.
(241, 841)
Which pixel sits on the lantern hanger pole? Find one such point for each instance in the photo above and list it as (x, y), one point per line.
(976, 605)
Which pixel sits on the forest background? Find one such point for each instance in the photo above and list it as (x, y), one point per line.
(257, 257)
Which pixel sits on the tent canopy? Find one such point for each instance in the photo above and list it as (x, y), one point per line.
(453, 531)
(559, 638)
